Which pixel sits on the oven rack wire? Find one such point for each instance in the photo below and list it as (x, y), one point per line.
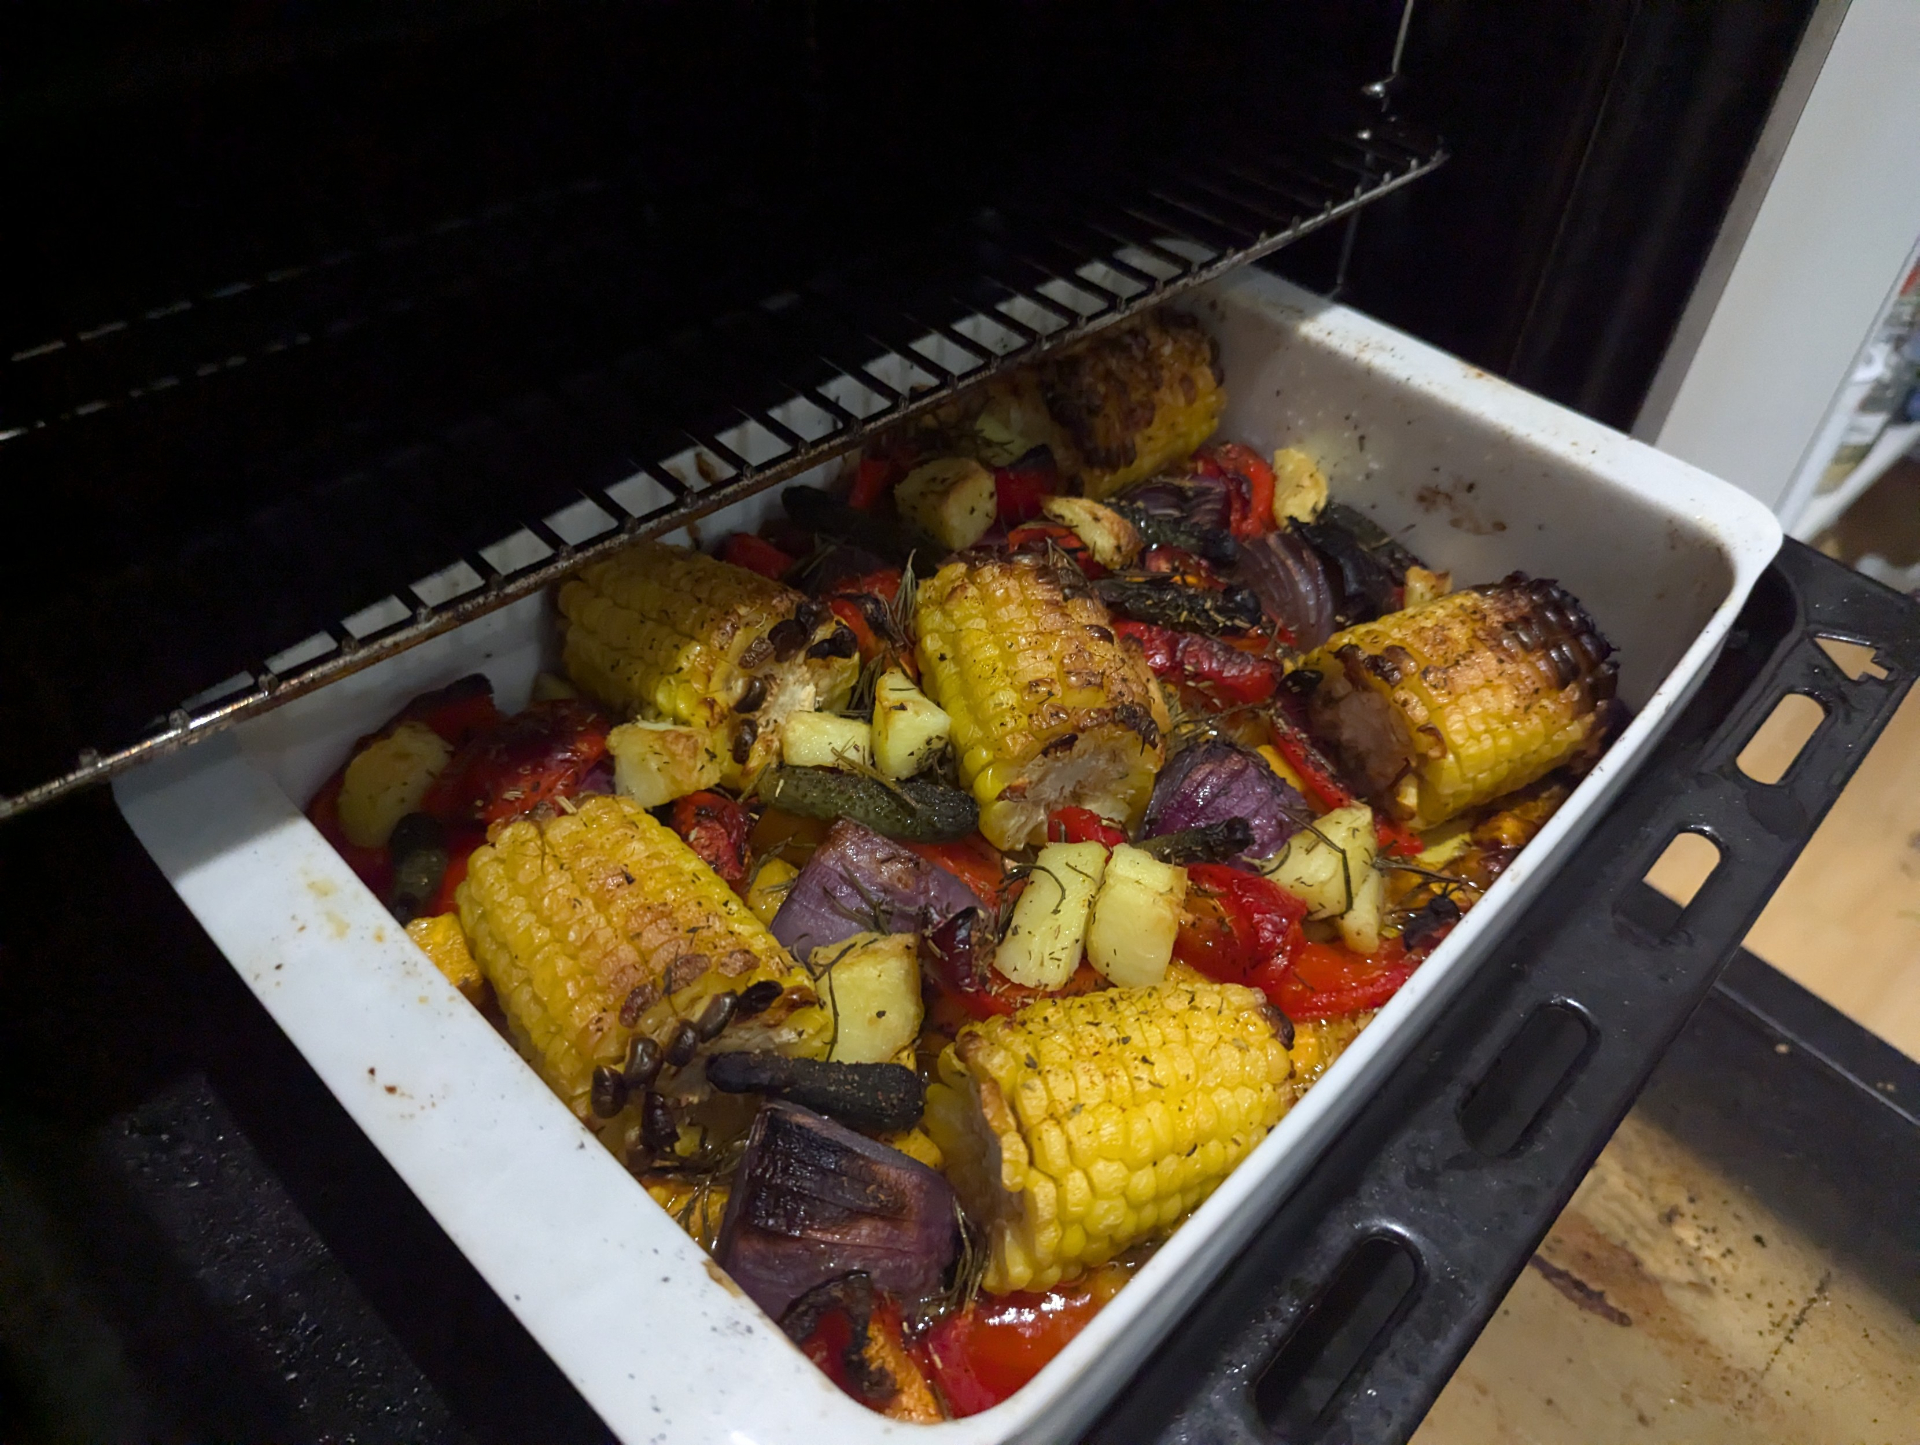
(1043, 276)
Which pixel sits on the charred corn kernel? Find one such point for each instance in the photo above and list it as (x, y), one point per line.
(676, 636)
(386, 780)
(1082, 1126)
(441, 940)
(601, 924)
(1482, 691)
(1127, 403)
(768, 888)
(1047, 708)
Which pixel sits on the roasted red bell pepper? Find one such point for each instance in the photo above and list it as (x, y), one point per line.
(457, 711)
(717, 828)
(1226, 675)
(756, 554)
(460, 846)
(1038, 536)
(531, 758)
(1083, 825)
(1324, 980)
(1251, 497)
(873, 480)
(981, 1355)
(1236, 923)
(957, 958)
(973, 860)
(1019, 489)
(1328, 792)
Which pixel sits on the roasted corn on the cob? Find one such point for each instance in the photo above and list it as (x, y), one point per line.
(676, 636)
(601, 924)
(1048, 707)
(1440, 708)
(1082, 1126)
(1125, 404)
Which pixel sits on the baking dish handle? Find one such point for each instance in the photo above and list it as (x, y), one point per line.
(1369, 1284)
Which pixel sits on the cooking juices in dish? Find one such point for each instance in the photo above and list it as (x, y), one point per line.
(932, 898)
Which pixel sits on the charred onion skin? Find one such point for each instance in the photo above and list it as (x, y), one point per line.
(1444, 707)
(813, 1201)
(857, 881)
(1213, 782)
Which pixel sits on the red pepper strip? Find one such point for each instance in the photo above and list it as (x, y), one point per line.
(1392, 836)
(716, 828)
(460, 846)
(871, 644)
(1236, 923)
(1324, 981)
(1323, 787)
(372, 866)
(1225, 673)
(1082, 825)
(982, 1355)
(873, 479)
(882, 582)
(998, 996)
(530, 758)
(457, 711)
(973, 860)
(1021, 488)
(1252, 504)
(756, 554)
(1035, 537)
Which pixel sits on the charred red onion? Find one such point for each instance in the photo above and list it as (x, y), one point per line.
(1214, 780)
(813, 1201)
(859, 882)
(1291, 581)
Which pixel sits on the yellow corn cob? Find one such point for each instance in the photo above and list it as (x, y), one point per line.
(601, 924)
(1480, 692)
(1048, 708)
(1082, 1126)
(441, 940)
(663, 633)
(1132, 400)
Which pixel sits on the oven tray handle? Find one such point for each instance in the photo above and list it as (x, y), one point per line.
(1367, 1287)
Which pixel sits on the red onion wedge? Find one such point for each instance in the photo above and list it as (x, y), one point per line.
(1214, 780)
(813, 1200)
(1291, 581)
(859, 882)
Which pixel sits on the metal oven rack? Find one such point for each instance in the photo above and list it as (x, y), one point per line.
(571, 471)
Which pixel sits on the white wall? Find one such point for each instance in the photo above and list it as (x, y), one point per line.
(1782, 310)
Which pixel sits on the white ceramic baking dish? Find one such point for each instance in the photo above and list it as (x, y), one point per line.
(1476, 475)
